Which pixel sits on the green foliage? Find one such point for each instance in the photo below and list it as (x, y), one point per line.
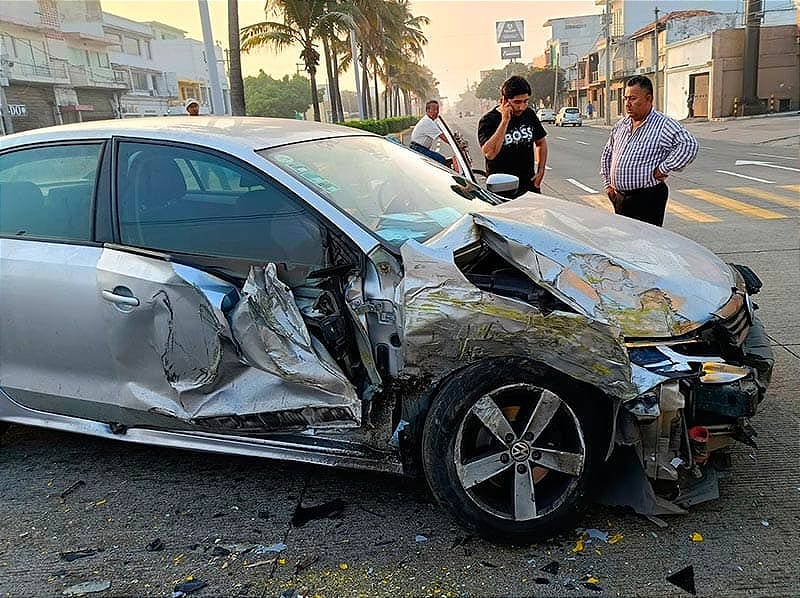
(265, 96)
(541, 82)
(383, 126)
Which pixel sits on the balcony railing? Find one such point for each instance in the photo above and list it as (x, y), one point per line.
(94, 76)
(38, 72)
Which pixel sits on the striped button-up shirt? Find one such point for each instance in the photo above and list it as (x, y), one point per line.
(630, 157)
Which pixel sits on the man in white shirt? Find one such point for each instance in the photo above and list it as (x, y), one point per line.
(426, 131)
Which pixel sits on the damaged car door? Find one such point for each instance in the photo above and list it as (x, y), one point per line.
(203, 322)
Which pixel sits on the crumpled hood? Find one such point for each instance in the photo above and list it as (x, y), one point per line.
(648, 281)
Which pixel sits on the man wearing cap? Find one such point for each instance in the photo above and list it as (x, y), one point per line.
(192, 107)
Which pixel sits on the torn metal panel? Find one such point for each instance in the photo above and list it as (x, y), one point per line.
(177, 355)
(614, 270)
(448, 322)
(271, 333)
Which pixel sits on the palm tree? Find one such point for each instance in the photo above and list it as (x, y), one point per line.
(304, 22)
(235, 60)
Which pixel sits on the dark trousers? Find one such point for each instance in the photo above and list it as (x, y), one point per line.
(428, 152)
(647, 205)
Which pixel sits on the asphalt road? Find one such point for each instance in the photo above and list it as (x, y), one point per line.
(388, 538)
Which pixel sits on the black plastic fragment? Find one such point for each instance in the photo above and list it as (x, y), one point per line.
(684, 579)
(155, 545)
(220, 551)
(329, 510)
(551, 568)
(74, 555)
(543, 581)
(187, 587)
(72, 488)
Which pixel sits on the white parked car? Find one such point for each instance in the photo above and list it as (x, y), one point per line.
(316, 293)
(568, 116)
(546, 115)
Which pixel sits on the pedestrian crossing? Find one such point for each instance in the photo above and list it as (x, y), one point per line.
(743, 201)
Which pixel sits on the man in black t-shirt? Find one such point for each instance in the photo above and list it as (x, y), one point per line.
(512, 137)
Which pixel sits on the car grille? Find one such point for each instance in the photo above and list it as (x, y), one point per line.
(734, 323)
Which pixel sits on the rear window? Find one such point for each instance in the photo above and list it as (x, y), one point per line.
(571, 111)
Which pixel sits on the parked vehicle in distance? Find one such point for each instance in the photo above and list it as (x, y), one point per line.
(568, 116)
(317, 293)
(546, 115)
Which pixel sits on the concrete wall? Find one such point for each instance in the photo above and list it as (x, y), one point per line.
(779, 67)
(684, 59)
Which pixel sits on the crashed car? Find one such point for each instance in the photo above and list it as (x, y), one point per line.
(317, 293)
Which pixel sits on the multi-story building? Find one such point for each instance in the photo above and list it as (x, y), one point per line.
(151, 90)
(187, 59)
(571, 39)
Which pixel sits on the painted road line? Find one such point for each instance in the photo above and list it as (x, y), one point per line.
(765, 164)
(562, 138)
(749, 178)
(686, 213)
(582, 186)
(774, 156)
(581, 142)
(768, 196)
(732, 204)
(597, 201)
(795, 188)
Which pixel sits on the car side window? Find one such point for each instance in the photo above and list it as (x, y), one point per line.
(46, 192)
(177, 199)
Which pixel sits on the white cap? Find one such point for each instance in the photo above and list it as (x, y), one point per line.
(189, 102)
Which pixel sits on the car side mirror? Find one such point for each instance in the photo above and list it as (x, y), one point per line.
(502, 183)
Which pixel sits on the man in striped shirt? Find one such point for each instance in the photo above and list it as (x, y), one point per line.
(643, 148)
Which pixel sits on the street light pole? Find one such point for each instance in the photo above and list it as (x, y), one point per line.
(218, 104)
(608, 61)
(655, 59)
(555, 74)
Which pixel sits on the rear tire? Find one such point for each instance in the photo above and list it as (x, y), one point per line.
(508, 449)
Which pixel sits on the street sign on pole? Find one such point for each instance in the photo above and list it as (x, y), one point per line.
(510, 52)
(510, 31)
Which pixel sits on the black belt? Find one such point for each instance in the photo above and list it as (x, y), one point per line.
(415, 144)
(642, 190)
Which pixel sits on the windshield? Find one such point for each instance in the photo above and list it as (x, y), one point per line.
(392, 191)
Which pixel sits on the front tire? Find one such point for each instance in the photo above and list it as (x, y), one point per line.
(507, 450)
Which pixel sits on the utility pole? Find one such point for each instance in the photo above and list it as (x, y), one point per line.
(354, 62)
(6, 124)
(555, 50)
(655, 59)
(608, 61)
(218, 106)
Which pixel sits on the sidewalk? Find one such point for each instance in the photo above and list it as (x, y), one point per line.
(779, 130)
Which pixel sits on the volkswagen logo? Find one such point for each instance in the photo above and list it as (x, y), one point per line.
(520, 451)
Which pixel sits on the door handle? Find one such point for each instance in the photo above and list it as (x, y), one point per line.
(119, 298)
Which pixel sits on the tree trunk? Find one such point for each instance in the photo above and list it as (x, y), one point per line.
(312, 73)
(235, 60)
(339, 105)
(365, 86)
(377, 95)
(331, 95)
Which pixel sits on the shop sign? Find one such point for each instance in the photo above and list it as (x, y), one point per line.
(18, 110)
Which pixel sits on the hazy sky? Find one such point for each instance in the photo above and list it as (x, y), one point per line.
(461, 34)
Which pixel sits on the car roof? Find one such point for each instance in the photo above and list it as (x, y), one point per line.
(222, 132)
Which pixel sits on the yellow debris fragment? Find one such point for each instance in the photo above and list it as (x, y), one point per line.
(592, 580)
(578, 546)
(697, 537)
(597, 552)
(281, 562)
(100, 502)
(615, 538)
(177, 560)
(344, 566)
(225, 565)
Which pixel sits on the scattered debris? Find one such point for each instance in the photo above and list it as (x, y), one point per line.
(344, 566)
(155, 545)
(596, 534)
(579, 544)
(617, 537)
(261, 549)
(420, 538)
(259, 563)
(684, 579)
(489, 565)
(384, 542)
(696, 537)
(87, 587)
(552, 567)
(220, 551)
(542, 581)
(765, 523)
(657, 520)
(329, 510)
(462, 541)
(306, 562)
(187, 587)
(74, 555)
(72, 488)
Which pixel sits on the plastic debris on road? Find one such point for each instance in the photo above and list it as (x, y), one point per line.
(596, 534)
(420, 538)
(684, 579)
(74, 555)
(69, 490)
(155, 545)
(187, 587)
(552, 567)
(329, 510)
(87, 587)
(696, 537)
(765, 523)
(615, 538)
